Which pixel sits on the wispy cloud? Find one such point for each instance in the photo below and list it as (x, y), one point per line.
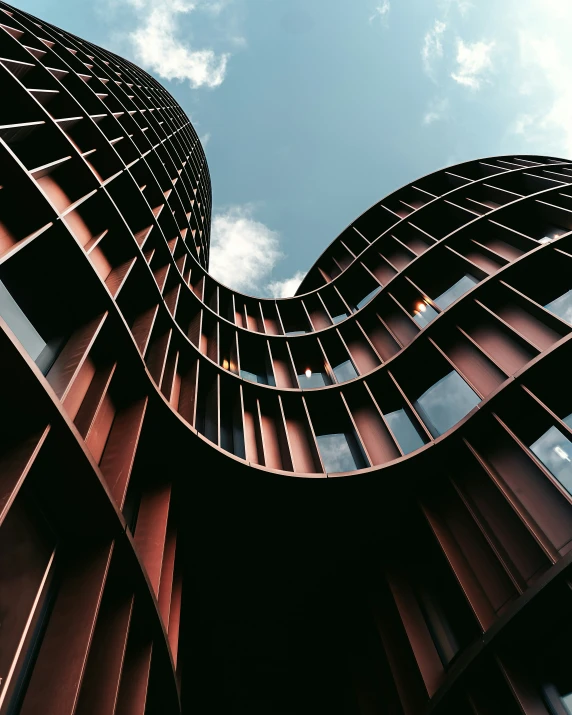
(159, 43)
(437, 110)
(243, 251)
(473, 63)
(547, 119)
(381, 11)
(432, 49)
(286, 287)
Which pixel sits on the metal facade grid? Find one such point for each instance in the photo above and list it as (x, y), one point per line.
(425, 355)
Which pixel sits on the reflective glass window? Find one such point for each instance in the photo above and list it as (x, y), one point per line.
(404, 431)
(340, 452)
(338, 318)
(424, 314)
(554, 450)
(253, 377)
(316, 379)
(456, 291)
(19, 324)
(445, 403)
(345, 371)
(368, 297)
(562, 306)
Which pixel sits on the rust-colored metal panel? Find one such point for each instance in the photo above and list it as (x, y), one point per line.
(56, 679)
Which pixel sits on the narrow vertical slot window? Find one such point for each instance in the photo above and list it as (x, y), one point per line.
(554, 450)
(445, 403)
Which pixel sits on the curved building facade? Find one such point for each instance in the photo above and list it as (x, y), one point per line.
(355, 501)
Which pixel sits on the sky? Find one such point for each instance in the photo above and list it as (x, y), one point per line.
(310, 111)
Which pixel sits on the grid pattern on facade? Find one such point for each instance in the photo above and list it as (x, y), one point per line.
(429, 341)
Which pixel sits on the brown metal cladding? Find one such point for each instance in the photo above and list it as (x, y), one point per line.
(357, 500)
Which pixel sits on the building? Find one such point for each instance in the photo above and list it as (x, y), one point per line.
(356, 501)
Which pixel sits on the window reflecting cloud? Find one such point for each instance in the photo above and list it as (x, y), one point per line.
(445, 403)
(345, 371)
(456, 291)
(555, 451)
(404, 431)
(336, 453)
(562, 307)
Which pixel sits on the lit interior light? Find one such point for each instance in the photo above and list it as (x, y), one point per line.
(421, 307)
(561, 453)
(225, 364)
(308, 372)
(545, 239)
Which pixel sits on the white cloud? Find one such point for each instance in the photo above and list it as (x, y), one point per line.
(438, 109)
(381, 11)
(158, 46)
(432, 49)
(205, 139)
(474, 62)
(546, 65)
(243, 251)
(286, 287)
(463, 6)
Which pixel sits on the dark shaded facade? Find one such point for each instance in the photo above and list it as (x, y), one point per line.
(356, 501)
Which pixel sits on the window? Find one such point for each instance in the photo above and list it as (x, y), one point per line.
(314, 379)
(456, 291)
(562, 307)
(368, 297)
(404, 431)
(296, 332)
(424, 314)
(340, 452)
(554, 450)
(445, 403)
(34, 344)
(253, 377)
(19, 324)
(558, 696)
(345, 371)
(566, 700)
(338, 318)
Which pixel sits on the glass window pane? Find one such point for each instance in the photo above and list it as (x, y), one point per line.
(404, 431)
(568, 421)
(338, 318)
(19, 324)
(456, 291)
(253, 377)
(562, 307)
(316, 379)
(567, 702)
(336, 453)
(445, 403)
(345, 371)
(555, 451)
(424, 314)
(368, 297)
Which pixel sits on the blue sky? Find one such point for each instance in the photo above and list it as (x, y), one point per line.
(312, 110)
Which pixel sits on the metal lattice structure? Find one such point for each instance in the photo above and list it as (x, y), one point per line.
(385, 457)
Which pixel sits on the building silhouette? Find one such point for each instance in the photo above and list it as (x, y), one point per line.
(355, 501)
